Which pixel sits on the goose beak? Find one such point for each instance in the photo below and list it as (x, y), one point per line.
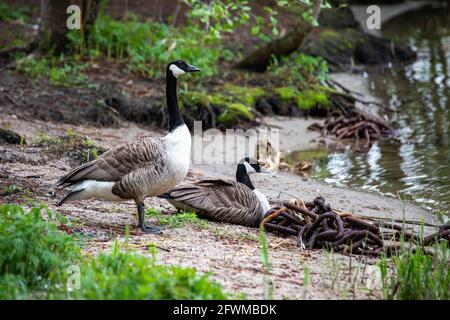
(192, 68)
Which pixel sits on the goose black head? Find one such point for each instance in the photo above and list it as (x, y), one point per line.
(246, 167)
(251, 165)
(179, 67)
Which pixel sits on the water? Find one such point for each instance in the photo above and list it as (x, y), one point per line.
(417, 167)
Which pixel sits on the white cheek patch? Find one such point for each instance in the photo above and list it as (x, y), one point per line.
(176, 71)
(249, 168)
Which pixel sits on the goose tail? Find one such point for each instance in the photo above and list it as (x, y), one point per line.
(166, 195)
(71, 196)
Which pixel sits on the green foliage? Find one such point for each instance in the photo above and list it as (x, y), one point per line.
(228, 94)
(304, 99)
(244, 94)
(235, 102)
(33, 252)
(307, 13)
(148, 46)
(222, 16)
(14, 43)
(203, 99)
(10, 189)
(58, 70)
(127, 275)
(35, 257)
(300, 69)
(79, 147)
(176, 220)
(309, 98)
(417, 275)
(233, 112)
(218, 16)
(286, 93)
(10, 12)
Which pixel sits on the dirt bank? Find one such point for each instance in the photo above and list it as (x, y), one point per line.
(231, 253)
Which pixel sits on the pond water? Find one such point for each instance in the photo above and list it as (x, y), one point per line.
(418, 166)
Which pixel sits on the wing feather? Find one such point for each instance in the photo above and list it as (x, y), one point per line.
(118, 162)
(220, 200)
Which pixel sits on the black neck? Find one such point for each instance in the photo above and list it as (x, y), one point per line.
(243, 177)
(175, 118)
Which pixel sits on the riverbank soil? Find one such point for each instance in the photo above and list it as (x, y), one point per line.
(231, 253)
(55, 121)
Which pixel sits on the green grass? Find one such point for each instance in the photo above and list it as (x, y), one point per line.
(177, 220)
(59, 70)
(268, 283)
(37, 261)
(306, 278)
(416, 275)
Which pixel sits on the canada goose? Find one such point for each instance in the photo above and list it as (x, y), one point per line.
(143, 168)
(237, 202)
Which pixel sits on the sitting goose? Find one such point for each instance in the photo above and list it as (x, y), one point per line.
(224, 200)
(143, 168)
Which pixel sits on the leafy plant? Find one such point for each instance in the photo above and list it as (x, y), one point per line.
(59, 70)
(35, 257)
(33, 252)
(218, 16)
(308, 10)
(127, 275)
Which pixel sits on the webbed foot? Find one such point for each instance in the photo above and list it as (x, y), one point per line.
(150, 229)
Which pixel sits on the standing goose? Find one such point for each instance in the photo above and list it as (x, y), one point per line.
(224, 200)
(143, 168)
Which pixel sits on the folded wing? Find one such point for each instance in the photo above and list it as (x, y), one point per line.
(118, 162)
(219, 200)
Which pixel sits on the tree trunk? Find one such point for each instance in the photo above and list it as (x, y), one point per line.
(259, 59)
(89, 12)
(53, 26)
(54, 19)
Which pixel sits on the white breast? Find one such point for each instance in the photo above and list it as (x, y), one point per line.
(178, 148)
(263, 200)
